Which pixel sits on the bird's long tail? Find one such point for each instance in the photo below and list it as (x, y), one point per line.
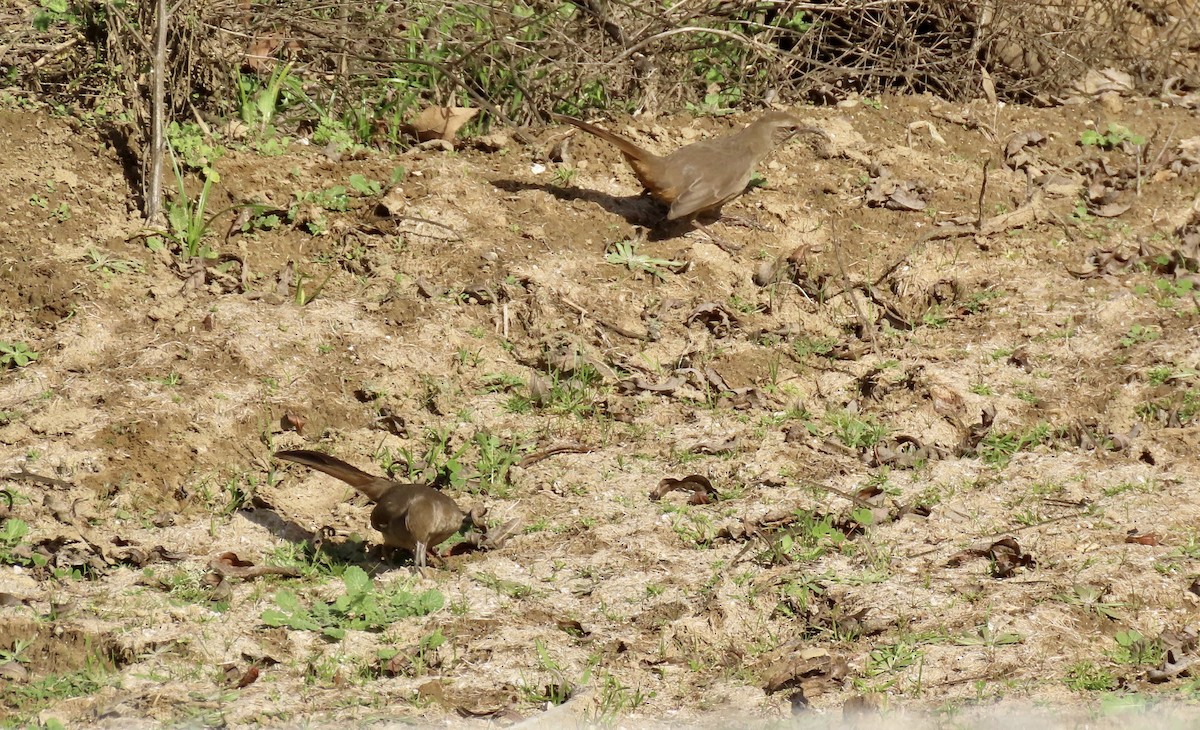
(372, 486)
(629, 148)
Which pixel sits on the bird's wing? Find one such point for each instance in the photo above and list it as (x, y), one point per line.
(722, 176)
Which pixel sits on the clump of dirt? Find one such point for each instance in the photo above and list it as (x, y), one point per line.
(931, 427)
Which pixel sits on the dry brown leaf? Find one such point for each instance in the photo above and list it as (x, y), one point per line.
(716, 316)
(1179, 649)
(292, 421)
(640, 384)
(441, 122)
(1014, 152)
(714, 446)
(701, 488)
(1005, 555)
(1143, 538)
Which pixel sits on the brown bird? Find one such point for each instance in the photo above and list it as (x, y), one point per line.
(410, 516)
(702, 176)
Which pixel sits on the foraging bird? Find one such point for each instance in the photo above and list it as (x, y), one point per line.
(410, 516)
(703, 176)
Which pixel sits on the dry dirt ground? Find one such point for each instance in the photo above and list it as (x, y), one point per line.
(943, 405)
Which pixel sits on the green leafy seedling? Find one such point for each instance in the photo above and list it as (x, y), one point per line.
(16, 354)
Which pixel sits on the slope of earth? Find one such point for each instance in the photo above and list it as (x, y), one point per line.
(935, 427)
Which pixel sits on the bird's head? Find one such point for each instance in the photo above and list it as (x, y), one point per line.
(784, 126)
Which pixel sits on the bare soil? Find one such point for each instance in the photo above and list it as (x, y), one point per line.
(941, 562)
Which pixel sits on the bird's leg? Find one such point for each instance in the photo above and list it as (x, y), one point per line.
(725, 246)
(419, 554)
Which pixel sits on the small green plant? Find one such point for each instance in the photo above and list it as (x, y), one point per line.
(694, 528)
(988, 637)
(333, 133)
(1112, 136)
(27, 698)
(617, 700)
(362, 607)
(423, 658)
(565, 175)
(187, 224)
(1183, 407)
(304, 295)
(978, 300)
(1091, 598)
(190, 150)
(105, 263)
(364, 186)
(809, 537)
(12, 534)
(560, 687)
(1137, 334)
(184, 587)
(934, 317)
(573, 393)
(854, 430)
(495, 459)
(1133, 648)
(797, 595)
(438, 463)
(51, 12)
(17, 653)
(509, 588)
(998, 447)
(1084, 676)
(16, 354)
(624, 253)
(805, 346)
(892, 658)
(1180, 558)
(1159, 375)
(258, 105)
(1166, 291)
(1027, 395)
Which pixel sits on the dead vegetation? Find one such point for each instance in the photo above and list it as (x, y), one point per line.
(924, 440)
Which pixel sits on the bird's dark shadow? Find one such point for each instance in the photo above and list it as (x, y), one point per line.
(638, 210)
(324, 551)
(119, 138)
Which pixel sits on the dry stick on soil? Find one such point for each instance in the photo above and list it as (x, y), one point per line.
(154, 194)
(29, 476)
(982, 192)
(535, 457)
(1157, 158)
(1042, 523)
(868, 327)
(844, 495)
(598, 320)
(55, 51)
